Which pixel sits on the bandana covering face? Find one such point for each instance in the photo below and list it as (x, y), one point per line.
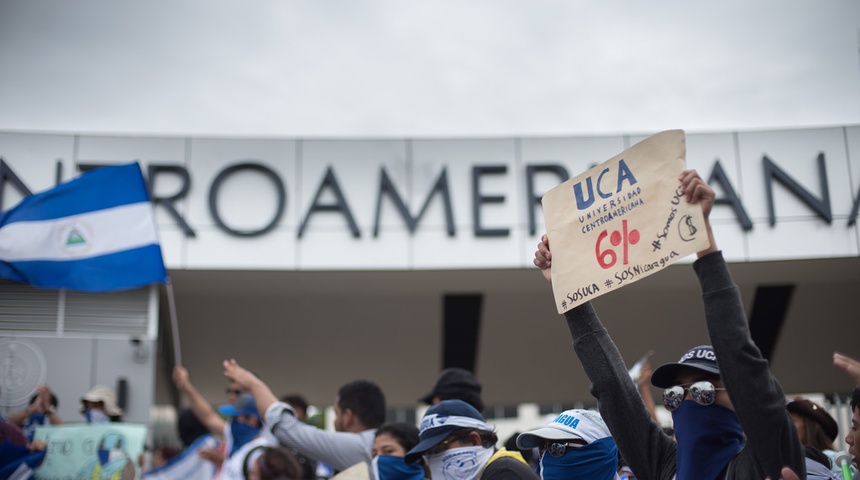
(96, 416)
(464, 463)
(242, 434)
(389, 467)
(595, 461)
(709, 436)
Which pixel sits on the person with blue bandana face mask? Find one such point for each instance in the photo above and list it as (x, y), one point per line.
(390, 445)
(728, 409)
(575, 445)
(244, 438)
(457, 444)
(241, 432)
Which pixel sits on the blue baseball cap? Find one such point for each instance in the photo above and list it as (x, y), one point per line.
(244, 405)
(700, 358)
(441, 420)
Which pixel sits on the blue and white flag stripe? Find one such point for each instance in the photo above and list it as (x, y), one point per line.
(98, 189)
(94, 233)
(58, 240)
(188, 465)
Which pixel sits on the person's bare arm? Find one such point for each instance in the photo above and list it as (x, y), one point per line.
(201, 408)
(263, 396)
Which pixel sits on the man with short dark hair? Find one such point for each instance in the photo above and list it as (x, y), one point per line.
(361, 399)
(359, 411)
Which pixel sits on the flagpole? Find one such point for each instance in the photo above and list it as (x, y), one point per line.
(174, 325)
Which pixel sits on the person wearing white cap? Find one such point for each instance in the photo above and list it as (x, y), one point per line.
(745, 435)
(99, 405)
(457, 444)
(577, 444)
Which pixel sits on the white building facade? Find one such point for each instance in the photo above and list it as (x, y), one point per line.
(318, 261)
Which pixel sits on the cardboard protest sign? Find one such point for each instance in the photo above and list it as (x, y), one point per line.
(105, 450)
(621, 221)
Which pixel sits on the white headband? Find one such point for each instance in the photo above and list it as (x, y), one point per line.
(436, 420)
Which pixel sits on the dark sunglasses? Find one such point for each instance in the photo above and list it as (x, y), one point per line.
(558, 449)
(704, 393)
(234, 392)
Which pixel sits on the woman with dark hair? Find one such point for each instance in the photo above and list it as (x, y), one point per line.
(392, 442)
(275, 463)
(817, 431)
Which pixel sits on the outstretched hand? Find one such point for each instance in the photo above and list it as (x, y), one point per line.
(849, 365)
(697, 191)
(235, 372)
(263, 396)
(543, 258)
(180, 377)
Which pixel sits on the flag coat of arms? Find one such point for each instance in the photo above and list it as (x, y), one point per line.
(94, 233)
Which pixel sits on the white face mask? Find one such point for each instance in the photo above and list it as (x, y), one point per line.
(96, 416)
(464, 463)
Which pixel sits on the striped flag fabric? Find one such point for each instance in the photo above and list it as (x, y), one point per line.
(188, 465)
(18, 462)
(94, 233)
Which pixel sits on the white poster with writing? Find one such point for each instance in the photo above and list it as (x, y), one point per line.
(621, 221)
(85, 451)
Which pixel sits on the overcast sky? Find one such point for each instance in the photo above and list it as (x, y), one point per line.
(433, 68)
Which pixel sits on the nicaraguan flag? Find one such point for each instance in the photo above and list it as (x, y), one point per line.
(95, 233)
(18, 463)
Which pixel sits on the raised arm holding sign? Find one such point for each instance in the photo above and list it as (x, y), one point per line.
(747, 434)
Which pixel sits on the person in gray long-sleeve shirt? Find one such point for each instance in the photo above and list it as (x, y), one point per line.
(737, 430)
(359, 411)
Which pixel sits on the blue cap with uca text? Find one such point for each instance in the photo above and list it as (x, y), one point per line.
(700, 358)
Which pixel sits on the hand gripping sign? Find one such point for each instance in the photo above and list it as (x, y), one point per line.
(621, 221)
